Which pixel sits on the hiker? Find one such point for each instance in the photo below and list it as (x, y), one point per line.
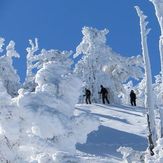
(87, 96)
(133, 98)
(104, 94)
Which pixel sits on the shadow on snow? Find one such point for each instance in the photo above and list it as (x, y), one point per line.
(105, 116)
(106, 141)
(122, 107)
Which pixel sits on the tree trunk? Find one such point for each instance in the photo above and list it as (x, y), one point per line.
(149, 103)
(159, 15)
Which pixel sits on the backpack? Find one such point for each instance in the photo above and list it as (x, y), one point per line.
(88, 92)
(105, 91)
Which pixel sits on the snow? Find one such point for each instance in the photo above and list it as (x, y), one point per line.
(47, 132)
(39, 121)
(44, 120)
(119, 126)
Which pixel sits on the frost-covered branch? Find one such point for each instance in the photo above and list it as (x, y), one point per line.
(30, 58)
(149, 103)
(11, 52)
(158, 4)
(36, 61)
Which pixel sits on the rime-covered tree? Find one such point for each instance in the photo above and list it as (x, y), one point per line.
(8, 74)
(40, 122)
(48, 112)
(149, 103)
(29, 83)
(158, 4)
(100, 65)
(35, 61)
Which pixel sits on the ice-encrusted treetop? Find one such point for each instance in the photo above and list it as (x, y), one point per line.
(8, 74)
(91, 37)
(158, 4)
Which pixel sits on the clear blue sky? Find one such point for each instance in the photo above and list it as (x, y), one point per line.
(58, 24)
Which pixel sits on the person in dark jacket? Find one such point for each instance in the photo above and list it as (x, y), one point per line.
(104, 94)
(133, 98)
(87, 96)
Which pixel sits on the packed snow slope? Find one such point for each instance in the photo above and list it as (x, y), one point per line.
(120, 126)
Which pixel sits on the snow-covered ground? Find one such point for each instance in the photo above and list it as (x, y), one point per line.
(120, 126)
